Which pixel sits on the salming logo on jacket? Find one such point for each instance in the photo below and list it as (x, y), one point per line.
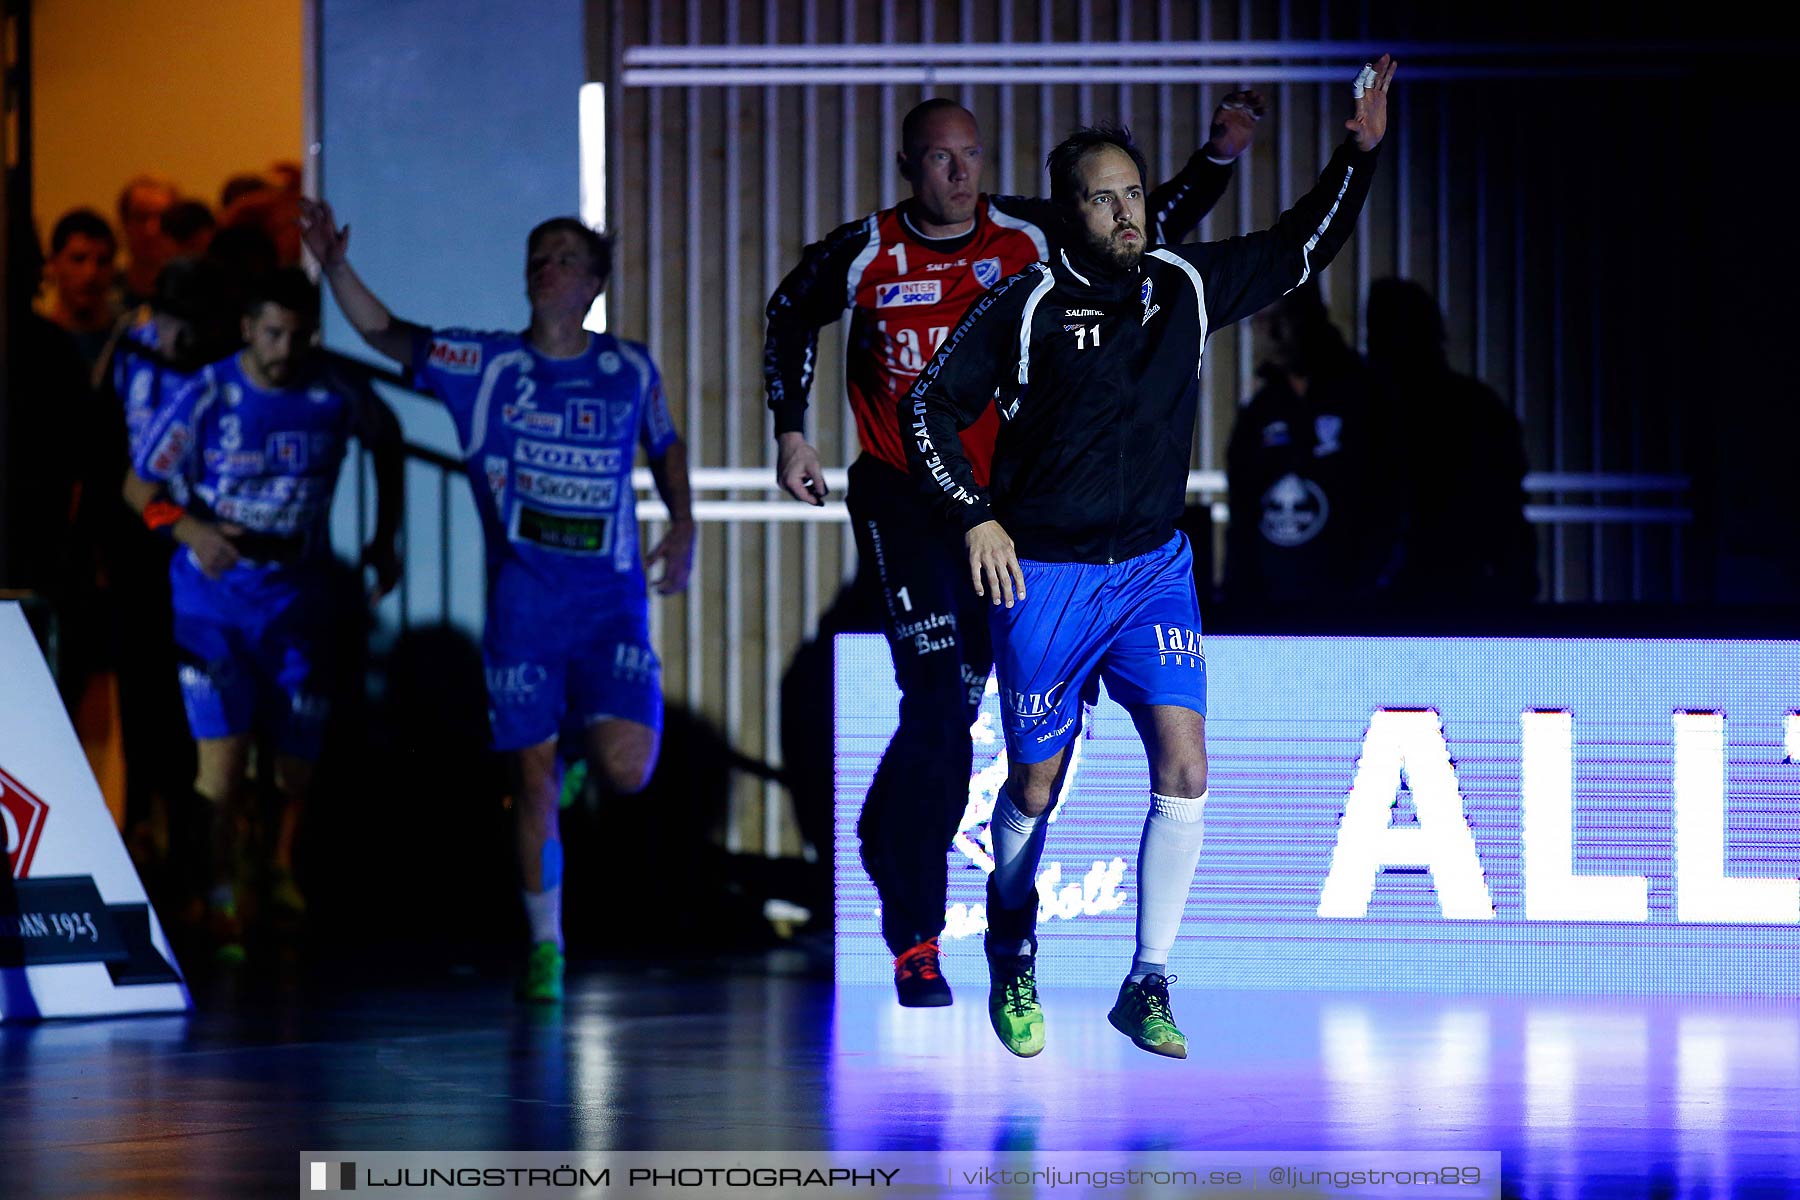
(1097, 371)
(905, 293)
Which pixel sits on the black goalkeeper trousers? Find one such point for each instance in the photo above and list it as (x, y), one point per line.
(937, 628)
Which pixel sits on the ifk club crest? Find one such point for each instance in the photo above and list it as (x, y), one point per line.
(22, 821)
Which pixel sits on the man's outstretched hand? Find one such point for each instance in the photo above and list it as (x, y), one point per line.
(319, 231)
(1370, 122)
(1234, 124)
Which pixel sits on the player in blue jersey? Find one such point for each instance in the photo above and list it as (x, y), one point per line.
(259, 437)
(549, 422)
(159, 347)
(188, 322)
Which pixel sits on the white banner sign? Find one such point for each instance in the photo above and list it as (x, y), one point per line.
(77, 935)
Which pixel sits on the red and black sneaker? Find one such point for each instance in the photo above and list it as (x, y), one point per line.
(917, 978)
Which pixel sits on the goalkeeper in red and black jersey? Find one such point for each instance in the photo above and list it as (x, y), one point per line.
(907, 274)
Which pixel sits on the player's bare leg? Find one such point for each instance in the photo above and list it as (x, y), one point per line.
(536, 786)
(1021, 815)
(223, 764)
(624, 753)
(293, 782)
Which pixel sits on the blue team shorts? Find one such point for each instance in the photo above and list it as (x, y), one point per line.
(1134, 624)
(591, 661)
(254, 650)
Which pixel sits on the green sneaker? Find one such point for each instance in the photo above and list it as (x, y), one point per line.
(574, 783)
(542, 982)
(226, 933)
(1142, 1014)
(1013, 1006)
(285, 896)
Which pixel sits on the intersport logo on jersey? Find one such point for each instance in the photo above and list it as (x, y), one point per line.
(896, 295)
(22, 817)
(583, 460)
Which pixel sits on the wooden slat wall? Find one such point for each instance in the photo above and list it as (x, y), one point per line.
(1507, 196)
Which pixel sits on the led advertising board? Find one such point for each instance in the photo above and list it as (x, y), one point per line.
(1432, 814)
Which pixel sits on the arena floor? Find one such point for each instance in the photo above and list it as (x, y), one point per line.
(1581, 1097)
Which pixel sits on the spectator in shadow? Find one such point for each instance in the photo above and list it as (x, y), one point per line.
(80, 274)
(238, 186)
(1313, 518)
(61, 496)
(274, 211)
(287, 175)
(1462, 463)
(48, 414)
(189, 226)
(142, 202)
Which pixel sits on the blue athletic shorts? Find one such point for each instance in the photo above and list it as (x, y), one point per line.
(1135, 624)
(254, 649)
(590, 661)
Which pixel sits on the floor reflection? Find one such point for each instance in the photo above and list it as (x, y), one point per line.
(1581, 1097)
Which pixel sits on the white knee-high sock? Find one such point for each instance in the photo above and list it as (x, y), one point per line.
(1018, 845)
(543, 911)
(1167, 858)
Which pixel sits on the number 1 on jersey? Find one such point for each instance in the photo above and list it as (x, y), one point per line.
(899, 253)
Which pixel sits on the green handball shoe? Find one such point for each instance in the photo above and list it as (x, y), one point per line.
(574, 783)
(285, 896)
(226, 932)
(1142, 1014)
(1013, 1006)
(543, 979)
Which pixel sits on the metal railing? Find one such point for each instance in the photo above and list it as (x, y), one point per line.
(743, 498)
(1202, 484)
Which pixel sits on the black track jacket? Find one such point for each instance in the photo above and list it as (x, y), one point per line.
(1096, 373)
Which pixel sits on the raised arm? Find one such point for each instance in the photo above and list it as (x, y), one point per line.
(979, 358)
(814, 294)
(1243, 275)
(384, 332)
(1176, 206)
